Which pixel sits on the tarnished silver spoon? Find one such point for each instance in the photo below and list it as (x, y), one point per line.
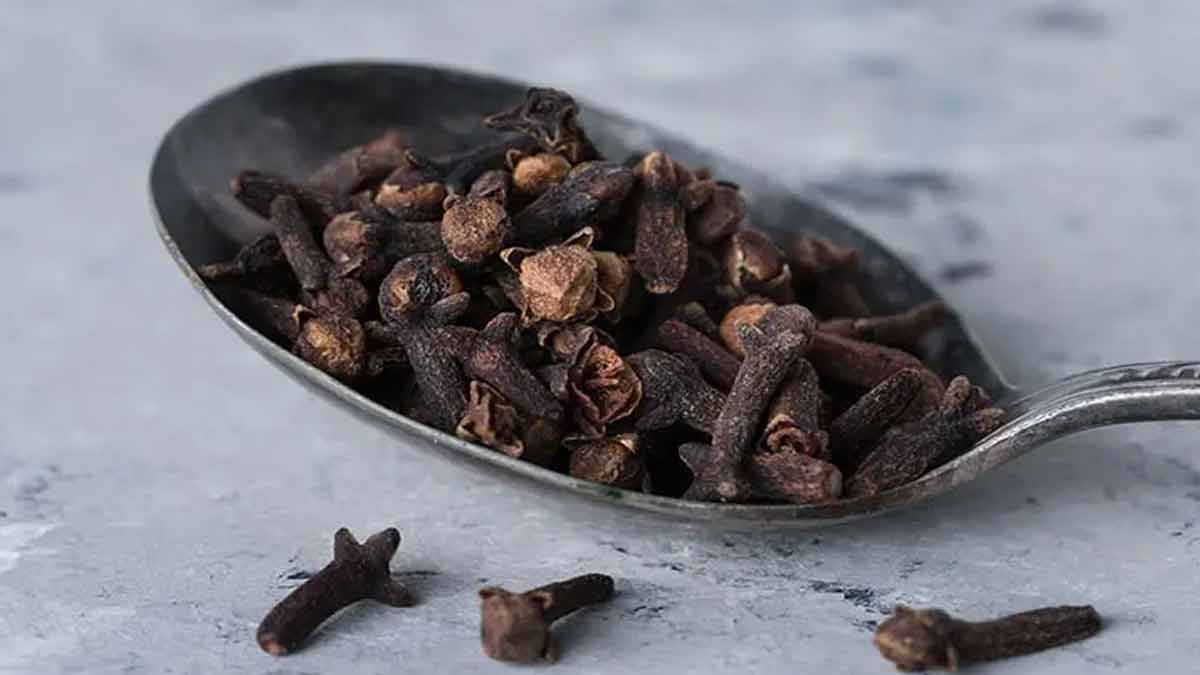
(289, 121)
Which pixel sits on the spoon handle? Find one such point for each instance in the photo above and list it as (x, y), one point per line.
(1140, 392)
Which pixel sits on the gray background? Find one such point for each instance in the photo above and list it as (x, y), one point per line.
(159, 481)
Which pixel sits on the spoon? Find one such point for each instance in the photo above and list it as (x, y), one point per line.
(287, 122)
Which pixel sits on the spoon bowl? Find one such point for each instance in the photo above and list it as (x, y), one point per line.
(288, 122)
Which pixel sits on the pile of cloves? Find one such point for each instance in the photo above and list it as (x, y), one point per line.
(611, 320)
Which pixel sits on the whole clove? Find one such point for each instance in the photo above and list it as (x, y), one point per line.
(617, 321)
(661, 251)
(351, 169)
(769, 356)
(717, 364)
(918, 639)
(358, 572)
(896, 330)
(907, 451)
(674, 391)
(516, 626)
(613, 461)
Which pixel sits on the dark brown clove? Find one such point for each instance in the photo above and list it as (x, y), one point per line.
(359, 242)
(776, 476)
(748, 313)
(354, 168)
(753, 264)
(906, 452)
(475, 227)
(896, 330)
(857, 363)
(793, 420)
(256, 190)
(818, 263)
(917, 639)
(770, 354)
(259, 264)
(559, 283)
(696, 193)
(491, 355)
(300, 247)
(278, 317)
(516, 626)
(420, 295)
(721, 215)
(717, 364)
(358, 572)
(589, 195)
(862, 424)
(532, 175)
(491, 420)
(603, 387)
(614, 461)
(549, 117)
(334, 344)
(673, 390)
(661, 248)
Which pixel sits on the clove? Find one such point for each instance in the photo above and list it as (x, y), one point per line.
(906, 452)
(770, 353)
(358, 572)
(673, 390)
(917, 639)
(516, 626)
(717, 364)
(661, 250)
(895, 330)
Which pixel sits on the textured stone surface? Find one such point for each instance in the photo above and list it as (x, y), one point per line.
(159, 482)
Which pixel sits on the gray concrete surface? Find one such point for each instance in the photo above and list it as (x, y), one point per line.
(159, 482)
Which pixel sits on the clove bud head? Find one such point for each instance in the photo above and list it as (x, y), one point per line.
(418, 281)
(335, 344)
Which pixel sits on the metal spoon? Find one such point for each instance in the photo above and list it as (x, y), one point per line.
(288, 121)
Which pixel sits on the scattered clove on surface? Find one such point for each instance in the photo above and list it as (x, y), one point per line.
(918, 639)
(358, 572)
(516, 626)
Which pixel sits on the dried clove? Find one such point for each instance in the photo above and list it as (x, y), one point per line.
(491, 355)
(353, 168)
(300, 247)
(753, 264)
(532, 175)
(475, 227)
(896, 330)
(673, 390)
(857, 363)
(335, 344)
(775, 476)
(718, 365)
(420, 295)
(770, 354)
(721, 215)
(358, 572)
(793, 420)
(820, 264)
(516, 626)
(490, 419)
(603, 387)
(259, 264)
(860, 426)
(906, 452)
(917, 639)
(590, 194)
(256, 190)
(661, 252)
(749, 313)
(559, 283)
(614, 461)
(549, 116)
